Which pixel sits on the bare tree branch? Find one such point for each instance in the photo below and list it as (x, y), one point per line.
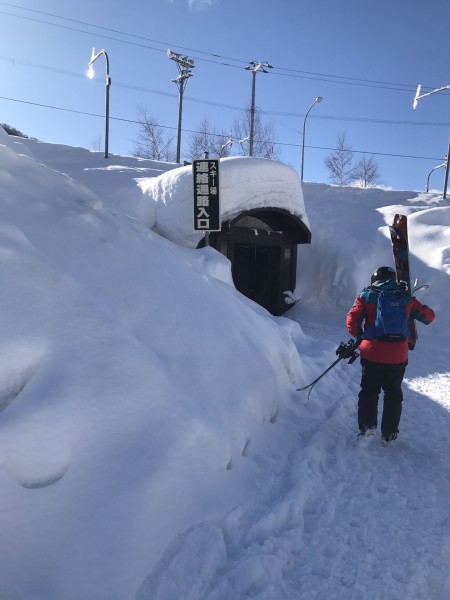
(340, 162)
(366, 172)
(153, 141)
(264, 143)
(208, 140)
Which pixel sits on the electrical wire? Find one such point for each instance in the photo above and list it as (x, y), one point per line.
(144, 89)
(275, 143)
(290, 72)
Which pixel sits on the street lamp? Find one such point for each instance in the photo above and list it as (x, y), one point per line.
(432, 171)
(91, 74)
(254, 67)
(184, 65)
(417, 97)
(316, 101)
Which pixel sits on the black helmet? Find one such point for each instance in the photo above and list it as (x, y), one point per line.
(383, 274)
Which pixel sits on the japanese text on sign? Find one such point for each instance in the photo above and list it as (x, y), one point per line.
(206, 195)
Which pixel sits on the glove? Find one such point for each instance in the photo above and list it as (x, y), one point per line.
(345, 350)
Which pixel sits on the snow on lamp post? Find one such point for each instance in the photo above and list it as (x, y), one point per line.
(91, 74)
(316, 101)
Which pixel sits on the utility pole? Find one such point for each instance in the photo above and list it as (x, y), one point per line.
(184, 65)
(254, 67)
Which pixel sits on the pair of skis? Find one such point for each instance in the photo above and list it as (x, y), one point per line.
(400, 249)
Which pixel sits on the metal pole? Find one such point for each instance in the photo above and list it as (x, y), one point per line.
(108, 84)
(180, 112)
(430, 173)
(252, 113)
(446, 170)
(90, 74)
(303, 143)
(318, 99)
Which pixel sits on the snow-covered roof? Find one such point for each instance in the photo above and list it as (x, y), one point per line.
(245, 184)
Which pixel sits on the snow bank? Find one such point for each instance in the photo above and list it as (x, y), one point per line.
(133, 379)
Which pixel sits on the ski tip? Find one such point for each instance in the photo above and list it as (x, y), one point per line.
(399, 221)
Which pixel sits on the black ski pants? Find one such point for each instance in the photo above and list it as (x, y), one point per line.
(376, 377)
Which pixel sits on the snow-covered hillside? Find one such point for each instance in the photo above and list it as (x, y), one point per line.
(152, 443)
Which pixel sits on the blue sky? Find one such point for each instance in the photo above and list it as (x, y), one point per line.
(364, 58)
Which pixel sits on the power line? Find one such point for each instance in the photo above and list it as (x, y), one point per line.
(290, 72)
(108, 37)
(361, 119)
(144, 89)
(115, 39)
(132, 35)
(410, 87)
(136, 122)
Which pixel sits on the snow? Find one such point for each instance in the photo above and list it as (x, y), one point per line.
(255, 183)
(152, 443)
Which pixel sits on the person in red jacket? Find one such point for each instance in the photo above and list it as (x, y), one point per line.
(383, 360)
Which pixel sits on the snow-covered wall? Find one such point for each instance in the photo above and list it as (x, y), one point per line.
(350, 239)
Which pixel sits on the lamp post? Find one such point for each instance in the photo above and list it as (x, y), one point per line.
(417, 97)
(254, 67)
(91, 74)
(316, 101)
(184, 65)
(432, 171)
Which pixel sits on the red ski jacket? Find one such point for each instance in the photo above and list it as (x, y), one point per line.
(363, 313)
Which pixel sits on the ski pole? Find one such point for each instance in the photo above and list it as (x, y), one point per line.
(344, 351)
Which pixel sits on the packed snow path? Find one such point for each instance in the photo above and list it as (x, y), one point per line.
(343, 519)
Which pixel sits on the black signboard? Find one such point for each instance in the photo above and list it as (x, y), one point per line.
(206, 195)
